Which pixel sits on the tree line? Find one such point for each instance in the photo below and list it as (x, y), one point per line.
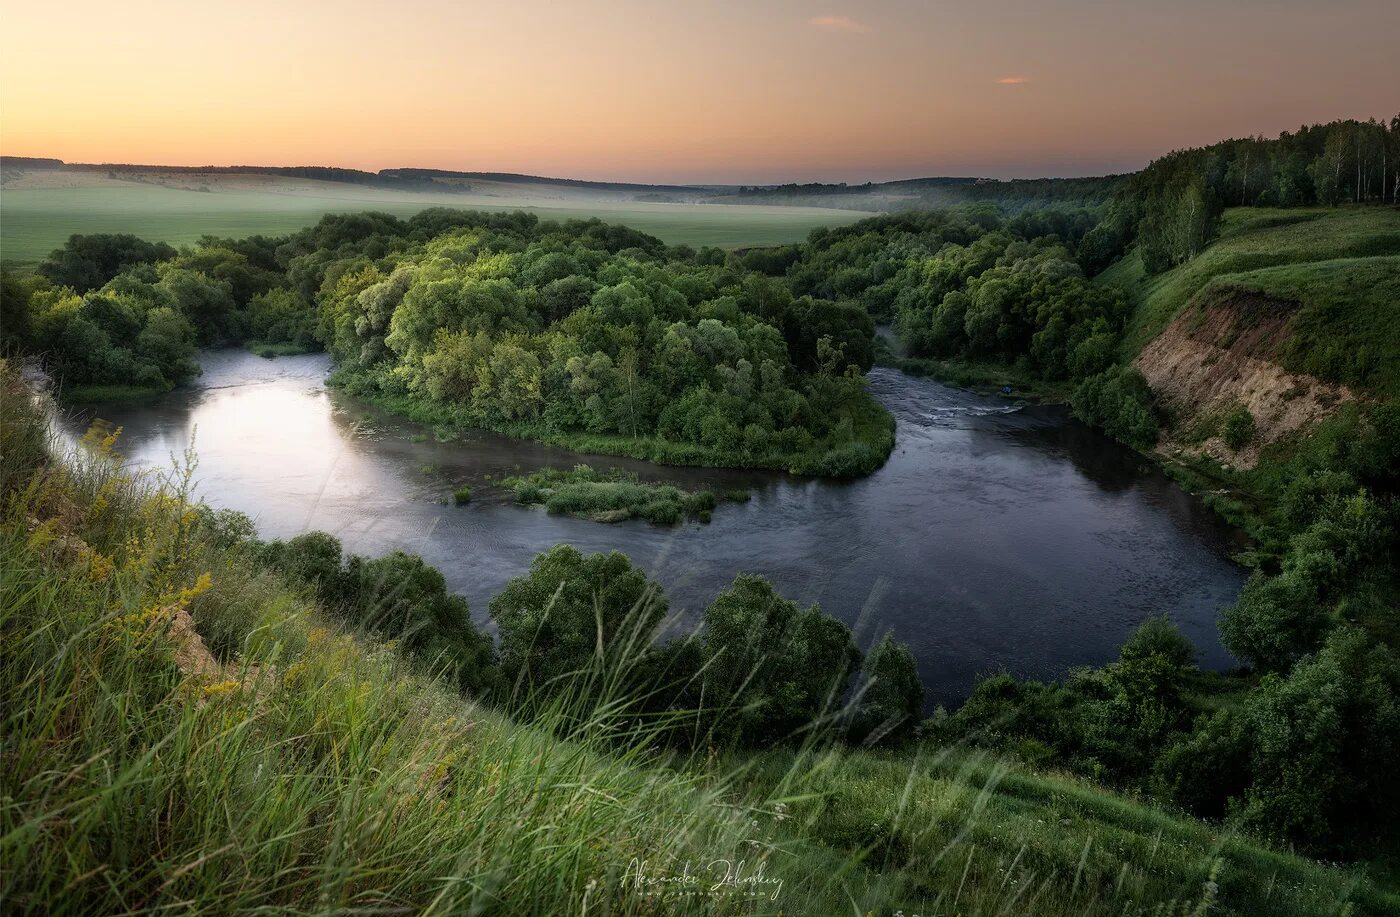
(1170, 210)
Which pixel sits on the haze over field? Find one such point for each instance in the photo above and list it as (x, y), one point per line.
(41, 209)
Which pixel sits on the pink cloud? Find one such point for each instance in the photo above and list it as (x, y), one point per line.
(1013, 80)
(838, 24)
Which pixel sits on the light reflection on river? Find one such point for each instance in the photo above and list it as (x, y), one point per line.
(993, 539)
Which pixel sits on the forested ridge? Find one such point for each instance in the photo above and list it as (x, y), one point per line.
(603, 338)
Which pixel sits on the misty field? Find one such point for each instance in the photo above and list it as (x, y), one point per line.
(38, 220)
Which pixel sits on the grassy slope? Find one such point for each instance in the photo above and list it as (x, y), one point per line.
(1347, 329)
(36, 221)
(1252, 239)
(317, 773)
(1039, 843)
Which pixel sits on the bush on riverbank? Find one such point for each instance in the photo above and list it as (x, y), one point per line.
(869, 429)
(280, 349)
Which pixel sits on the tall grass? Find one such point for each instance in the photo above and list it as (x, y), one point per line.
(311, 771)
(316, 772)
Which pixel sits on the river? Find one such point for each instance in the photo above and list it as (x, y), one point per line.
(996, 538)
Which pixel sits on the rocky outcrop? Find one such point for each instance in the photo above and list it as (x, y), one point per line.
(1224, 350)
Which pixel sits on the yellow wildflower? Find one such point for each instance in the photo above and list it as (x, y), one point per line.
(224, 687)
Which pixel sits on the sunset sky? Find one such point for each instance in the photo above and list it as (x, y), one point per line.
(698, 92)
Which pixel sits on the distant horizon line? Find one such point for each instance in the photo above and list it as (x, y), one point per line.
(429, 171)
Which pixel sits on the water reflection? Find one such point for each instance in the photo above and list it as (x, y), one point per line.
(995, 538)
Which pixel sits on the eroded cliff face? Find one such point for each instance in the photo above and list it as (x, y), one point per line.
(1222, 350)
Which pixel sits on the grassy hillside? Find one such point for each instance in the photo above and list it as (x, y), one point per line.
(1316, 245)
(304, 769)
(1346, 329)
(39, 218)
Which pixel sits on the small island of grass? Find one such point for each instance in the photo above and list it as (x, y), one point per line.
(613, 496)
(271, 349)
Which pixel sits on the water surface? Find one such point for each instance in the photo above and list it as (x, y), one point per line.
(996, 538)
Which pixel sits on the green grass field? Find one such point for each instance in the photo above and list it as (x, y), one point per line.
(1348, 326)
(1252, 239)
(33, 222)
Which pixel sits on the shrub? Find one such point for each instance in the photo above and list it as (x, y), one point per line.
(1238, 429)
(773, 668)
(1119, 402)
(573, 615)
(1323, 743)
(892, 696)
(610, 496)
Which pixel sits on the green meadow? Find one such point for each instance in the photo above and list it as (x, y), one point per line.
(1304, 249)
(37, 221)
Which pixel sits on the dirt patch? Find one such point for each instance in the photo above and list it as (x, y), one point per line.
(1244, 321)
(192, 657)
(1222, 351)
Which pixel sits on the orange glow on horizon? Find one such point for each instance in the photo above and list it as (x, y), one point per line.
(720, 92)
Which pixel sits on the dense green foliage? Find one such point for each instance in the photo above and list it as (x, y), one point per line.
(891, 696)
(600, 332)
(1119, 402)
(771, 668)
(973, 284)
(569, 608)
(396, 597)
(87, 262)
(761, 671)
(581, 332)
(120, 312)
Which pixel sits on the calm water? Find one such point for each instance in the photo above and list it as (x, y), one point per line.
(994, 539)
